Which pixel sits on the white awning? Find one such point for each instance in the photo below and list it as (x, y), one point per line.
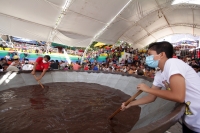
(140, 23)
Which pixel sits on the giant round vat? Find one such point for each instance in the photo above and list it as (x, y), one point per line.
(99, 88)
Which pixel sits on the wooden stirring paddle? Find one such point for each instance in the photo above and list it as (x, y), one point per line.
(39, 82)
(126, 103)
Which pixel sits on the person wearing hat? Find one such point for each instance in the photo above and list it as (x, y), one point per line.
(41, 64)
(16, 62)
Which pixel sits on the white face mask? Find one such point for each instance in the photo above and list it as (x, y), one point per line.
(44, 61)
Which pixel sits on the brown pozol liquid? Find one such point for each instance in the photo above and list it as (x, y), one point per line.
(65, 108)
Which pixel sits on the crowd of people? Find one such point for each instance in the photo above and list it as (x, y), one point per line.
(132, 63)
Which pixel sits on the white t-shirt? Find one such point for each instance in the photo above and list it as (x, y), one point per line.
(7, 57)
(198, 74)
(192, 95)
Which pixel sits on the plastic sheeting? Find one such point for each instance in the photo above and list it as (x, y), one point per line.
(142, 22)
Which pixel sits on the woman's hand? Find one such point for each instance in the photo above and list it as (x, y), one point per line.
(123, 107)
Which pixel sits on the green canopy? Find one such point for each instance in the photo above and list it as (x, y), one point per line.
(59, 45)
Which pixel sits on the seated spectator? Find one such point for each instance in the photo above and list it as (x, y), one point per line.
(122, 62)
(76, 66)
(152, 73)
(54, 65)
(130, 61)
(117, 70)
(131, 71)
(95, 68)
(193, 63)
(106, 68)
(62, 65)
(110, 69)
(66, 68)
(147, 72)
(70, 66)
(174, 56)
(86, 68)
(7, 67)
(196, 68)
(1, 68)
(16, 62)
(142, 67)
(7, 57)
(2, 61)
(9, 61)
(123, 69)
(127, 69)
(140, 72)
(134, 68)
(58, 64)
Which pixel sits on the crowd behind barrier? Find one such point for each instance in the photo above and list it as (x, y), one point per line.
(122, 59)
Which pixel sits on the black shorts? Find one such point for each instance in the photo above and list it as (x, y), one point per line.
(186, 129)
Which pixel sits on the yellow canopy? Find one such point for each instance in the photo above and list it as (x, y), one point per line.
(99, 44)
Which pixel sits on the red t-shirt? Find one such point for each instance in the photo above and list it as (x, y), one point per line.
(86, 68)
(41, 65)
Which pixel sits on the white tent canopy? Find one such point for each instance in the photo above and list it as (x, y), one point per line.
(140, 23)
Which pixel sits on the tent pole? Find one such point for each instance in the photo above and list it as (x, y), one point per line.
(104, 29)
(85, 52)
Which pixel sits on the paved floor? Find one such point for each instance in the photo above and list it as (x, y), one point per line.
(177, 128)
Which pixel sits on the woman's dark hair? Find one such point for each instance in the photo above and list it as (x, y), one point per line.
(162, 47)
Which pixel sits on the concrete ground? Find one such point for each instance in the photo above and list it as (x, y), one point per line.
(177, 128)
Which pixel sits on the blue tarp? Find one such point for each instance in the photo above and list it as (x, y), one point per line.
(17, 39)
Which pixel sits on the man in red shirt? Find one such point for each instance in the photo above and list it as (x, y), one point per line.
(41, 64)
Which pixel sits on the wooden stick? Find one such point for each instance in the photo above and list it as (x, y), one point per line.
(39, 82)
(126, 103)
